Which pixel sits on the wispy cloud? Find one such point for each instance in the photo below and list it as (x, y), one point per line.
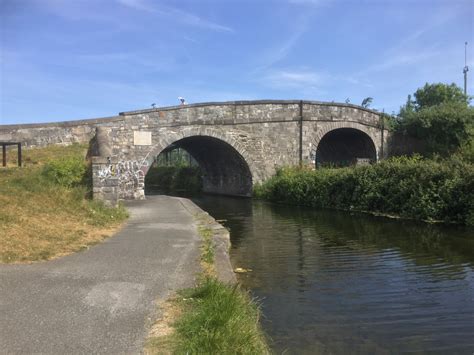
(307, 78)
(78, 10)
(294, 79)
(137, 5)
(143, 60)
(190, 39)
(307, 2)
(181, 16)
(411, 49)
(413, 39)
(407, 58)
(280, 52)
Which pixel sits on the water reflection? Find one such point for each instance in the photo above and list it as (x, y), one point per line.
(332, 282)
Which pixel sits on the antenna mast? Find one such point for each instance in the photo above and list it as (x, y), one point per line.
(465, 69)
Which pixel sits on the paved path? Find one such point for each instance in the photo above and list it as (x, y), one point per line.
(101, 300)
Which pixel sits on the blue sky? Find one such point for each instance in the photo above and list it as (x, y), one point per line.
(73, 59)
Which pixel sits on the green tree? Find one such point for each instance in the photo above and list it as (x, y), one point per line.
(408, 108)
(444, 128)
(438, 94)
(439, 115)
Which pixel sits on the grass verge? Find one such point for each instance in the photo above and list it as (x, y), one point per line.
(41, 219)
(212, 318)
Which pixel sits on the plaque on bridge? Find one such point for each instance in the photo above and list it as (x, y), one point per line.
(141, 138)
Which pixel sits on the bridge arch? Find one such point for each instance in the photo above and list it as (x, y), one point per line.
(226, 165)
(342, 142)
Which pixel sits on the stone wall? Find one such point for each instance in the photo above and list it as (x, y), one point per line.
(43, 134)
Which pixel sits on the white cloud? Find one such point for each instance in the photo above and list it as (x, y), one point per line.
(137, 5)
(307, 2)
(306, 78)
(280, 52)
(401, 59)
(294, 79)
(181, 16)
(78, 10)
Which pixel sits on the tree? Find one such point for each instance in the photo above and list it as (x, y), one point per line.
(366, 102)
(443, 128)
(438, 94)
(440, 116)
(408, 108)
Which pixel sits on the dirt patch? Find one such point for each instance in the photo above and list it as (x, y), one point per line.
(161, 336)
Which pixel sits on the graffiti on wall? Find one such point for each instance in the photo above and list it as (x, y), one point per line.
(130, 174)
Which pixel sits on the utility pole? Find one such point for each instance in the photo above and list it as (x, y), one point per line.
(382, 126)
(465, 69)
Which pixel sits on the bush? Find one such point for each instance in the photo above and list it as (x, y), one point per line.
(68, 172)
(444, 128)
(409, 187)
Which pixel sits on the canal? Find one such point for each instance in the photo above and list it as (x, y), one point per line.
(339, 283)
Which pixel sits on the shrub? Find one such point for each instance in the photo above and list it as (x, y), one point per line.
(68, 172)
(409, 187)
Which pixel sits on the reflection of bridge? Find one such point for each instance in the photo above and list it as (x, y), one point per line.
(235, 143)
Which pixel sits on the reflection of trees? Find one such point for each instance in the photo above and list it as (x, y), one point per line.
(426, 244)
(346, 281)
(288, 244)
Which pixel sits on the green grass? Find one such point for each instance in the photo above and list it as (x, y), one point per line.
(211, 318)
(207, 249)
(218, 319)
(42, 218)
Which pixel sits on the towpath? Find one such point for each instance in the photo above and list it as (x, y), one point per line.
(101, 300)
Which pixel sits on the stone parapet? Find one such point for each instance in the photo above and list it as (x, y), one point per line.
(60, 133)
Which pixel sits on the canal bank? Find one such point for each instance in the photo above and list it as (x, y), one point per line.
(102, 300)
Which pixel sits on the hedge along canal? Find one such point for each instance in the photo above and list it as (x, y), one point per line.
(340, 282)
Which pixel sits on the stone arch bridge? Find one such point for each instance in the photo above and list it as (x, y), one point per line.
(237, 144)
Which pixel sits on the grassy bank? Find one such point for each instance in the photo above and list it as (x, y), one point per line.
(45, 211)
(212, 318)
(407, 187)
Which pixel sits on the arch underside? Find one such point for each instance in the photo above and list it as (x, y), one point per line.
(345, 146)
(224, 170)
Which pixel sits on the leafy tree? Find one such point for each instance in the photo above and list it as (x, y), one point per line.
(437, 94)
(440, 116)
(444, 128)
(466, 151)
(408, 108)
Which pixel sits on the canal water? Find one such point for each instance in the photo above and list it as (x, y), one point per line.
(341, 283)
